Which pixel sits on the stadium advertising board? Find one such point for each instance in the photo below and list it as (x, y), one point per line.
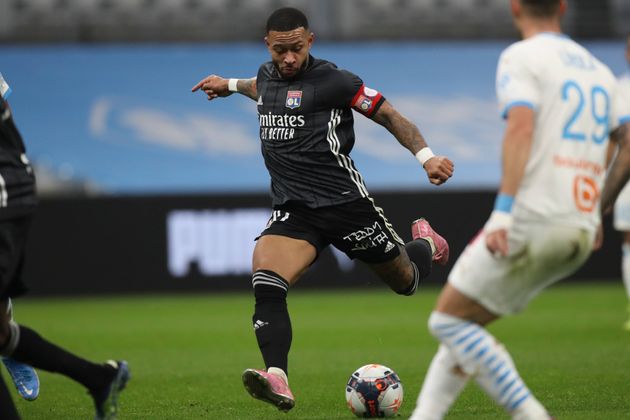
(204, 242)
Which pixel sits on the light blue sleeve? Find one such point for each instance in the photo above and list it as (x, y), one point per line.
(515, 84)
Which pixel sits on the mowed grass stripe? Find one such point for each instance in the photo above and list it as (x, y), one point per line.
(187, 352)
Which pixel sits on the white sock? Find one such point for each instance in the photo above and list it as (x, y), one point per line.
(480, 355)
(441, 386)
(278, 372)
(625, 266)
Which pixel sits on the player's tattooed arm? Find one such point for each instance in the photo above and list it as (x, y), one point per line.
(218, 87)
(439, 168)
(404, 130)
(247, 87)
(619, 171)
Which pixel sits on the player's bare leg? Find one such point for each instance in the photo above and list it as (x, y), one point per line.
(399, 274)
(278, 263)
(289, 257)
(452, 302)
(404, 272)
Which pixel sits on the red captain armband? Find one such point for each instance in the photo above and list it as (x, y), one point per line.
(366, 101)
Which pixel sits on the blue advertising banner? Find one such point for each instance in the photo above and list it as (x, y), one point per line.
(123, 118)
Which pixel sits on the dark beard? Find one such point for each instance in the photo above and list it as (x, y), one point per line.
(297, 73)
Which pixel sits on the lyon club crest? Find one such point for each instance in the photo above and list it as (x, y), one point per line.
(294, 99)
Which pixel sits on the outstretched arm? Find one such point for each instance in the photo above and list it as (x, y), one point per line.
(619, 172)
(218, 87)
(439, 168)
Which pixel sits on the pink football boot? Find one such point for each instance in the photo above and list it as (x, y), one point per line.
(421, 229)
(271, 387)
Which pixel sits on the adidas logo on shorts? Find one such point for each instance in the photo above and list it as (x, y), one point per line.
(259, 324)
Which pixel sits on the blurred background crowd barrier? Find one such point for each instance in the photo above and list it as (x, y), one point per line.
(229, 20)
(146, 186)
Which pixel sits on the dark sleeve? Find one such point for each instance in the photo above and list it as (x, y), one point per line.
(263, 73)
(351, 92)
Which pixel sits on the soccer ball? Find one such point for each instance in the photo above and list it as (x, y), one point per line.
(374, 391)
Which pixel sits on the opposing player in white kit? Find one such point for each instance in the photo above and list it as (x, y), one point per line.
(622, 206)
(560, 106)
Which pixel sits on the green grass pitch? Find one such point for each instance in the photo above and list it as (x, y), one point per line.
(187, 352)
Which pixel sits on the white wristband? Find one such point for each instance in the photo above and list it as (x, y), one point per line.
(232, 85)
(423, 155)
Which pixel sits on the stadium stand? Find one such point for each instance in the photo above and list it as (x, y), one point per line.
(219, 20)
(621, 17)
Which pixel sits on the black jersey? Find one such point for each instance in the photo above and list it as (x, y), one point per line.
(17, 181)
(307, 132)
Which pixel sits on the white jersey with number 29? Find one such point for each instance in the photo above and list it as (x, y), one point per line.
(574, 99)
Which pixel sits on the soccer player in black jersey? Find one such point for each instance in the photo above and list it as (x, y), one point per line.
(319, 198)
(17, 342)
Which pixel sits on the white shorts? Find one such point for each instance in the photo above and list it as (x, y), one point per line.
(539, 254)
(622, 210)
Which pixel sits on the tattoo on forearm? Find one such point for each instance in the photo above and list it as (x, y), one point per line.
(247, 87)
(408, 134)
(404, 130)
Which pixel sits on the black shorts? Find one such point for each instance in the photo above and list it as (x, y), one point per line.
(13, 234)
(358, 228)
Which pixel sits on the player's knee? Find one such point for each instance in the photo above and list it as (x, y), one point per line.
(9, 337)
